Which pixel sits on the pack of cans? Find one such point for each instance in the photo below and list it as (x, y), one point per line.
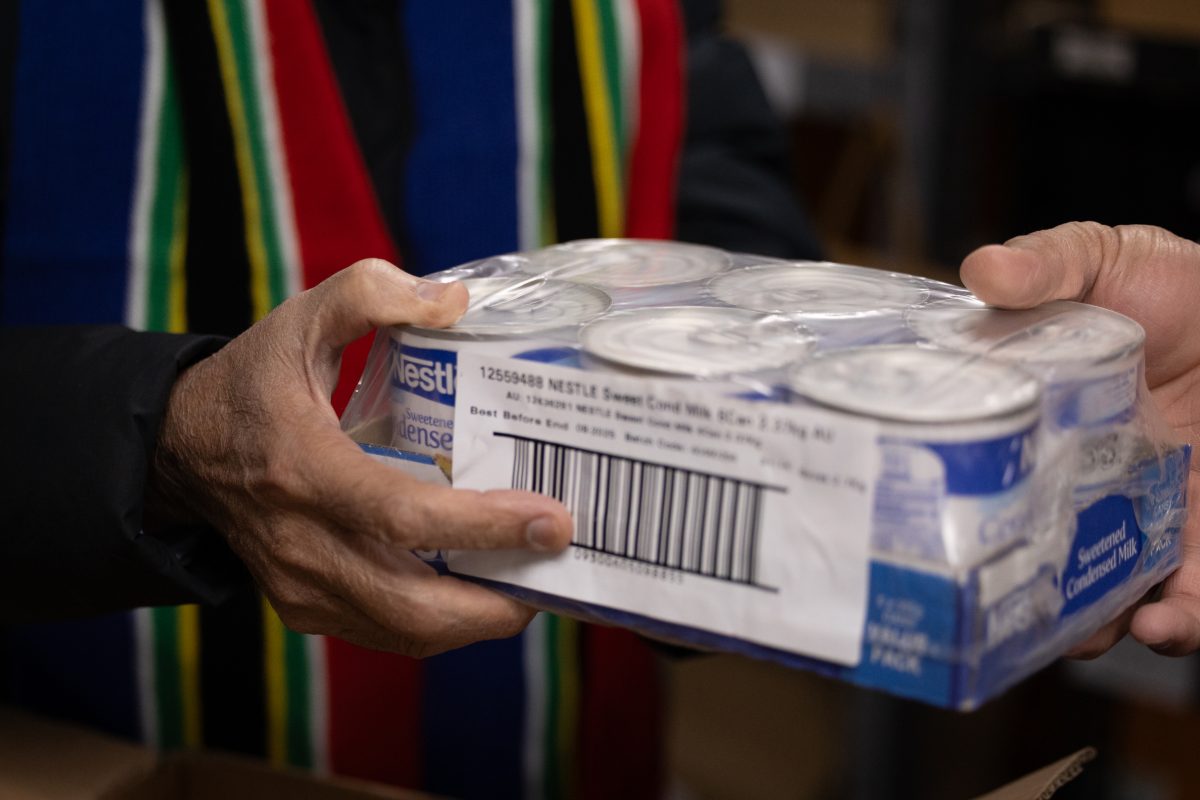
(1019, 493)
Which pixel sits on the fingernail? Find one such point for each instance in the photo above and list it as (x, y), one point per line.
(542, 534)
(431, 290)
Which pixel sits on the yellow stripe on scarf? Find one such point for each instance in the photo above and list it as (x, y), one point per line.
(605, 156)
(275, 676)
(189, 675)
(260, 293)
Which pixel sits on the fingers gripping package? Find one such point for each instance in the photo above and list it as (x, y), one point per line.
(863, 473)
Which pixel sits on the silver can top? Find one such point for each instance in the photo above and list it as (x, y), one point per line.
(817, 289)
(696, 341)
(523, 305)
(911, 383)
(1061, 332)
(627, 263)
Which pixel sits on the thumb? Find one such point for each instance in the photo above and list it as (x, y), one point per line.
(1062, 263)
(373, 293)
(1143, 272)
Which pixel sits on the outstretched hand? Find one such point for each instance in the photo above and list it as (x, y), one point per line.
(250, 444)
(1153, 277)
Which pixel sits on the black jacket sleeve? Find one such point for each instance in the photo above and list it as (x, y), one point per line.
(80, 409)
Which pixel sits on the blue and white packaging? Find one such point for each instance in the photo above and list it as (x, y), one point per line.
(862, 473)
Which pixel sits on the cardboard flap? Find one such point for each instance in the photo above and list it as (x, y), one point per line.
(220, 776)
(44, 759)
(1042, 785)
(41, 759)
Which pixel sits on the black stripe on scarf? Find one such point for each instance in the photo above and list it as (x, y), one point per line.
(217, 265)
(232, 670)
(232, 690)
(574, 185)
(366, 47)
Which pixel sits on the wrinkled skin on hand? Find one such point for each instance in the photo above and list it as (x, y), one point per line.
(1153, 277)
(250, 444)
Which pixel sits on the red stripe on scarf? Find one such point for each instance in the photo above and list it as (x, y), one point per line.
(620, 717)
(374, 713)
(620, 721)
(654, 161)
(374, 698)
(337, 216)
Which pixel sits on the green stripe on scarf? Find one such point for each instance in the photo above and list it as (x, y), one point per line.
(247, 65)
(166, 222)
(562, 706)
(299, 715)
(610, 41)
(168, 686)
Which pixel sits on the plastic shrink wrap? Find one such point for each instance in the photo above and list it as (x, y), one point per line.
(859, 472)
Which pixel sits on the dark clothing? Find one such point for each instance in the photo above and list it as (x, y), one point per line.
(734, 191)
(82, 408)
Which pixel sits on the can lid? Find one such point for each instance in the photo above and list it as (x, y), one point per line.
(1057, 332)
(627, 263)
(817, 289)
(696, 340)
(912, 383)
(520, 305)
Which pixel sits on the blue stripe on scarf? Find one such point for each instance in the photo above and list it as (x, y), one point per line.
(76, 96)
(81, 670)
(460, 203)
(460, 183)
(75, 104)
(472, 710)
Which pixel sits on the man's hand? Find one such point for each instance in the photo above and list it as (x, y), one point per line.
(250, 444)
(1153, 277)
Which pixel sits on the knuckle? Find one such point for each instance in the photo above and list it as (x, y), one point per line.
(422, 630)
(513, 625)
(1096, 650)
(414, 648)
(367, 271)
(427, 525)
(1107, 240)
(297, 613)
(300, 621)
(361, 280)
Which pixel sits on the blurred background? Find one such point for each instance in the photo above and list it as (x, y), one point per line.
(919, 130)
(923, 128)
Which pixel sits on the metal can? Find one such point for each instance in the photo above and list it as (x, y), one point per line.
(619, 264)
(844, 306)
(521, 317)
(696, 341)
(956, 445)
(813, 289)
(1090, 358)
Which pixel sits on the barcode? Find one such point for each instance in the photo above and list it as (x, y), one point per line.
(680, 519)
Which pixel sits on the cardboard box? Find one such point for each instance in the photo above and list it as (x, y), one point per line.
(852, 31)
(1168, 19)
(41, 759)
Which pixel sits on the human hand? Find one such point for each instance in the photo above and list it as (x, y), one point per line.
(250, 444)
(1153, 277)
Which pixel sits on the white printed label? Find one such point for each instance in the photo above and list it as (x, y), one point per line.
(745, 519)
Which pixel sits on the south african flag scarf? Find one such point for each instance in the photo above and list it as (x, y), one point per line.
(186, 165)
